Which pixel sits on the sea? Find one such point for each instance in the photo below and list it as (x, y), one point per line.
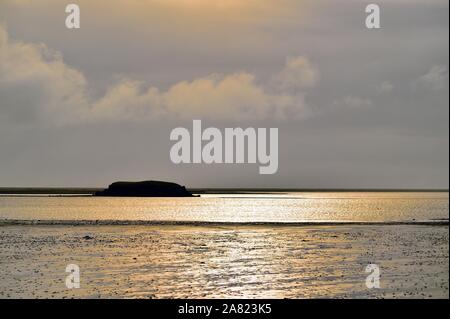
(242, 208)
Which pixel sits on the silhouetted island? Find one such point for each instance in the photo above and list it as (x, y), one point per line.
(145, 189)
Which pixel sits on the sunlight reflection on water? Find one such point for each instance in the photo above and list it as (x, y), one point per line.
(267, 207)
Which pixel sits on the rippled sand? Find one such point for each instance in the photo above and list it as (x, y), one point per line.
(205, 262)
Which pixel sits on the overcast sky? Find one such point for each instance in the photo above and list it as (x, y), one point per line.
(355, 108)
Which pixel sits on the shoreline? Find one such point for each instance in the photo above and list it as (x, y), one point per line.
(49, 222)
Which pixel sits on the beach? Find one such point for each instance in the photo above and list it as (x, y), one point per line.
(201, 261)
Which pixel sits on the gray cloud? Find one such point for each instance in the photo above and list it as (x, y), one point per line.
(385, 87)
(353, 102)
(436, 78)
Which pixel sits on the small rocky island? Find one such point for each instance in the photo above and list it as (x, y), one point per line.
(145, 189)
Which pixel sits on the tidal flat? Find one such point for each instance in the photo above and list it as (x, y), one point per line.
(163, 261)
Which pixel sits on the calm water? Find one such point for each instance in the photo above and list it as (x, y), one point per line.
(273, 207)
(223, 261)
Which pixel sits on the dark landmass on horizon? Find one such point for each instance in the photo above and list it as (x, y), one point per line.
(144, 189)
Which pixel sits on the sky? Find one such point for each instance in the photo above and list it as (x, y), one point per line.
(355, 107)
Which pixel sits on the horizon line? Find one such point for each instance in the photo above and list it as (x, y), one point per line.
(4, 190)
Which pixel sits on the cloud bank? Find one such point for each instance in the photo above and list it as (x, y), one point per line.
(36, 84)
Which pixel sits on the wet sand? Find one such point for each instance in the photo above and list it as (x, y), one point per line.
(164, 261)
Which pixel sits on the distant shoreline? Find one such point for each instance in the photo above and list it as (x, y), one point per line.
(106, 222)
(89, 191)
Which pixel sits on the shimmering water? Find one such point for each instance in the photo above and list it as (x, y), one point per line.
(245, 208)
(225, 261)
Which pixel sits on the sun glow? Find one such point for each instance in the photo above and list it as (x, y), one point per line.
(205, 3)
